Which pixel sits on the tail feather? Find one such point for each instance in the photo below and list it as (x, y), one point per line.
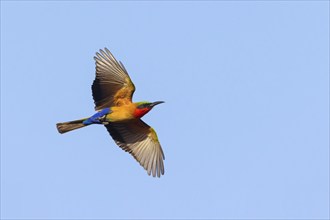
(70, 125)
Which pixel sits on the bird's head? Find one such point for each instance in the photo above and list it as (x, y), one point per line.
(143, 108)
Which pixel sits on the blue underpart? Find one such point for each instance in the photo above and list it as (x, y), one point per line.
(95, 119)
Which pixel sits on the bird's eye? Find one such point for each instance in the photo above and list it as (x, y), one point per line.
(145, 105)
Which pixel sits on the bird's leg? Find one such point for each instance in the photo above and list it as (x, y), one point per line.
(97, 118)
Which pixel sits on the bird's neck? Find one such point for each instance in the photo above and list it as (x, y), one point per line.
(140, 112)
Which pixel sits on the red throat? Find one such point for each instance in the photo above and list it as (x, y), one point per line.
(140, 112)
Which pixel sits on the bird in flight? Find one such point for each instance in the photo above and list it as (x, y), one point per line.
(112, 92)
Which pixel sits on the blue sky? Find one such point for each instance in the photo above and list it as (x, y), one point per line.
(245, 126)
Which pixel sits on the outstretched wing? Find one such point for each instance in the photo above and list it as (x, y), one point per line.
(112, 85)
(140, 140)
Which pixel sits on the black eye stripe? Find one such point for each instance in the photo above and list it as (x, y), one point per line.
(143, 105)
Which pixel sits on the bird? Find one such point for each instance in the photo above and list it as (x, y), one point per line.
(112, 91)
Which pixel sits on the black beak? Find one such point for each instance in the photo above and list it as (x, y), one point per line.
(156, 103)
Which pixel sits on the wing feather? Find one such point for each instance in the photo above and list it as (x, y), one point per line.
(112, 85)
(140, 140)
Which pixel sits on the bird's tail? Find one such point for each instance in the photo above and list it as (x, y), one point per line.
(70, 125)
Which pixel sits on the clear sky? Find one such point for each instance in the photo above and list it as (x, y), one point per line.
(245, 126)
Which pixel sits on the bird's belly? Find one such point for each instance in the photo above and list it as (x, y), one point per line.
(117, 116)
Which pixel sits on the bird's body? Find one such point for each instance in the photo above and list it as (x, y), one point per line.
(124, 112)
(121, 113)
(112, 92)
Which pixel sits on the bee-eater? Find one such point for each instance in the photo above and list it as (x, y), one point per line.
(112, 92)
